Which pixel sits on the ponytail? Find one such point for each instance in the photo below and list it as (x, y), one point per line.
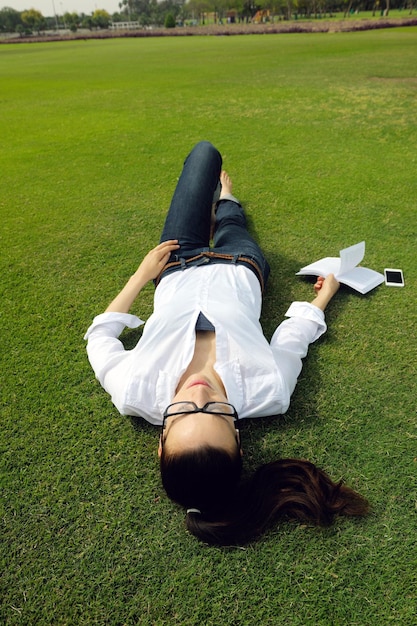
(230, 513)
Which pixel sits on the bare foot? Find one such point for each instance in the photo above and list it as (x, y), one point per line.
(226, 183)
(226, 188)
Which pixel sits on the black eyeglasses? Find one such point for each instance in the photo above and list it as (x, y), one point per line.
(213, 408)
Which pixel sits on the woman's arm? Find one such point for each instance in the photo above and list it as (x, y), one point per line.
(306, 324)
(153, 263)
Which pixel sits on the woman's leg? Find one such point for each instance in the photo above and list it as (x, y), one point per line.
(230, 227)
(189, 215)
(230, 234)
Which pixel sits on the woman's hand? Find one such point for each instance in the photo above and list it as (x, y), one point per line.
(155, 261)
(330, 284)
(325, 289)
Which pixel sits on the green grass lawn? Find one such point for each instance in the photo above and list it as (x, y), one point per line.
(319, 135)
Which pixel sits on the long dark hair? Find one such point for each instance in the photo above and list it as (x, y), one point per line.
(235, 512)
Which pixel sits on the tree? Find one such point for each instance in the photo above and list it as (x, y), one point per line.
(140, 7)
(87, 22)
(101, 18)
(9, 20)
(33, 19)
(169, 21)
(198, 7)
(348, 7)
(71, 21)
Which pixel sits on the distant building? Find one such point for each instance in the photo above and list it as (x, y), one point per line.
(124, 26)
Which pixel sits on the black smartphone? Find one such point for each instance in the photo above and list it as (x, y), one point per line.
(394, 278)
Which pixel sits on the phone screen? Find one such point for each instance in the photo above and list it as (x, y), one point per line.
(394, 277)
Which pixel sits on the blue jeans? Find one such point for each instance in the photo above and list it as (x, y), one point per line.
(189, 220)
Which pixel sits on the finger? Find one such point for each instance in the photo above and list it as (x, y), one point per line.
(167, 244)
(164, 260)
(167, 249)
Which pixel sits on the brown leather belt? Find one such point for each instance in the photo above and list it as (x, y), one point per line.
(183, 263)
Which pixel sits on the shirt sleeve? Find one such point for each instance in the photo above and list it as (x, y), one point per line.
(292, 338)
(104, 348)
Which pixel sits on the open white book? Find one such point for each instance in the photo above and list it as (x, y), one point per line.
(345, 269)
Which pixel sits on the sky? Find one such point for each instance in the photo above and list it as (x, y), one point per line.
(46, 7)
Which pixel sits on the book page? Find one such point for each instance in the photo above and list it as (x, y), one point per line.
(324, 267)
(362, 279)
(351, 257)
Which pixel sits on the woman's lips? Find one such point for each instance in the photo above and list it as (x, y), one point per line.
(204, 383)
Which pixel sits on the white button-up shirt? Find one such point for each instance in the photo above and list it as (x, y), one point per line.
(259, 377)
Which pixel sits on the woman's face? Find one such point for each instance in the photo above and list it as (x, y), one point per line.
(189, 431)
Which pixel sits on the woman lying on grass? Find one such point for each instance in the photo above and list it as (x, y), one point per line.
(203, 363)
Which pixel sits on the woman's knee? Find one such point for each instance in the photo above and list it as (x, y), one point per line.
(205, 150)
